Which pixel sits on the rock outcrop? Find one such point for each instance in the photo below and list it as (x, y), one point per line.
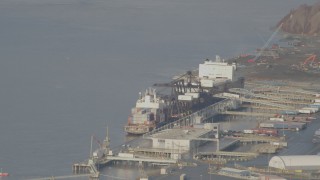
(305, 20)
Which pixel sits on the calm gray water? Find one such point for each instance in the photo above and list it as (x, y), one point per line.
(69, 67)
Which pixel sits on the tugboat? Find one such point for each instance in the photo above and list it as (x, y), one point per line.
(149, 111)
(3, 174)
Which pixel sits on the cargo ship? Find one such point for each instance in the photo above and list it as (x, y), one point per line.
(149, 111)
(189, 92)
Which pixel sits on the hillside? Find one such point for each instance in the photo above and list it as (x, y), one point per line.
(303, 20)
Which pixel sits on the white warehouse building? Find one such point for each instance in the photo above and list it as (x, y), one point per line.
(216, 70)
(183, 139)
(301, 162)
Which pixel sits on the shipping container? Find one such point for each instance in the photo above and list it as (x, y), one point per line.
(248, 131)
(284, 144)
(276, 119)
(305, 111)
(266, 125)
(194, 95)
(313, 110)
(288, 112)
(317, 100)
(231, 95)
(283, 125)
(314, 106)
(128, 155)
(185, 98)
(270, 132)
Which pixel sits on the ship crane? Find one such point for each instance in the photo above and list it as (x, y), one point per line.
(180, 86)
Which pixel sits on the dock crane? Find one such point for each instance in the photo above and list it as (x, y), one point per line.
(186, 82)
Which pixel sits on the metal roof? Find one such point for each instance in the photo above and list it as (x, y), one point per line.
(302, 162)
(181, 133)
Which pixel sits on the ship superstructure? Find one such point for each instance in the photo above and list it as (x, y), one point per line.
(150, 110)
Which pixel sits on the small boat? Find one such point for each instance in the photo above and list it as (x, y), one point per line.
(3, 174)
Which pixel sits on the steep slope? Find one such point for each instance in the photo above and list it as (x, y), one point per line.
(304, 20)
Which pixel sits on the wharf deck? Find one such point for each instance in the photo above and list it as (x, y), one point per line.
(230, 154)
(240, 113)
(261, 139)
(62, 177)
(137, 159)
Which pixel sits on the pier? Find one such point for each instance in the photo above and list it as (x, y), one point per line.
(166, 145)
(153, 160)
(199, 116)
(225, 155)
(242, 113)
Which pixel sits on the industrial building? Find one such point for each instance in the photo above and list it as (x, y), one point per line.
(302, 162)
(211, 72)
(183, 139)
